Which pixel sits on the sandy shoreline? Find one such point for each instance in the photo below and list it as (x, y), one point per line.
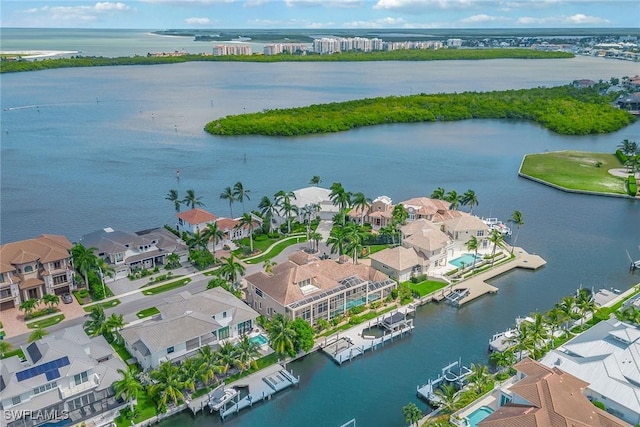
(32, 54)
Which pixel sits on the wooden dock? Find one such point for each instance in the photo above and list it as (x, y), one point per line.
(476, 286)
(346, 345)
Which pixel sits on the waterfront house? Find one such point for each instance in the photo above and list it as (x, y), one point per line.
(187, 322)
(607, 356)
(234, 231)
(542, 397)
(125, 251)
(464, 227)
(434, 210)
(34, 267)
(400, 263)
(317, 197)
(65, 373)
(309, 288)
(194, 220)
(379, 214)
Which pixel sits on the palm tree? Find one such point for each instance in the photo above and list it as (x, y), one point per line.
(28, 305)
(454, 199)
(247, 353)
(337, 240)
(128, 387)
(285, 206)
(479, 377)
(246, 220)
(340, 198)
(354, 235)
(268, 265)
(213, 234)
(628, 147)
(585, 303)
(190, 373)
(268, 211)
(173, 197)
(84, 260)
(51, 300)
(209, 364)
(568, 308)
(503, 359)
(496, 238)
(231, 270)
(240, 193)
(438, 193)
(472, 245)
(412, 414)
(470, 199)
(281, 335)
(167, 385)
(172, 260)
(516, 218)
(315, 180)
(191, 200)
(97, 320)
(316, 238)
(521, 340)
(361, 202)
(196, 241)
(227, 356)
(448, 397)
(113, 325)
(38, 334)
(537, 331)
(227, 194)
(554, 318)
(5, 347)
(399, 215)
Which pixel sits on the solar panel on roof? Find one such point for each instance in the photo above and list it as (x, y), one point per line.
(34, 352)
(50, 369)
(52, 375)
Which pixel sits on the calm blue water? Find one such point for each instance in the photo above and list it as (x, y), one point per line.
(259, 339)
(84, 149)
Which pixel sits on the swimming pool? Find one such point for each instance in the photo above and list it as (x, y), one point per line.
(478, 415)
(259, 339)
(467, 259)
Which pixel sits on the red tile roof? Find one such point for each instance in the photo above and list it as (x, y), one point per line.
(196, 216)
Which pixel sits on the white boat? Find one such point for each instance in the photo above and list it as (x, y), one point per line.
(220, 397)
(496, 224)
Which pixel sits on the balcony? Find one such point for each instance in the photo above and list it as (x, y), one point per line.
(93, 381)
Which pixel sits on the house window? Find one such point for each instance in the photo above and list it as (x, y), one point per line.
(224, 314)
(1, 277)
(119, 257)
(57, 265)
(259, 293)
(58, 280)
(5, 293)
(81, 378)
(480, 233)
(223, 333)
(260, 305)
(244, 327)
(44, 388)
(170, 350)
(15, 400)
(28, 269)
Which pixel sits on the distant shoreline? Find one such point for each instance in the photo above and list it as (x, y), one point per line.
(35, 54)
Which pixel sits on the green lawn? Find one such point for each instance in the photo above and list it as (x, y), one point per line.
(121, 350)
(262, 363)
(17, 352)
(105, 305)
(167, 287)
(45, 323)
(146, 408)
(426, 287)
(147, 312)
(576, 170)
(277, 249)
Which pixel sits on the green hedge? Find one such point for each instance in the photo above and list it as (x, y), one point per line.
(621, 156)
(632, 185)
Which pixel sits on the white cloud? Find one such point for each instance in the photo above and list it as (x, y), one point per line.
(577, 19)
(187, 2)
(77, 14)
(341, 4)
(425, 5)
(482, 18)
(255, 3)
(197, 21)
(387, 22)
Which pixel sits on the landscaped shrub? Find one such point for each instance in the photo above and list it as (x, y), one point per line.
(632, 185)
(418, 279)
(172, 230)
(356, 310)
(599, 404)
(621, 156)
(260, 237)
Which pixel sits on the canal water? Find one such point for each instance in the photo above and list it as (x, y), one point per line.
(84, 149)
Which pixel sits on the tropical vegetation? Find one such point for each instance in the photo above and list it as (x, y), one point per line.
(564, 109)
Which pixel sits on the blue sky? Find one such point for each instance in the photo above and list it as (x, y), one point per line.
(310, 14)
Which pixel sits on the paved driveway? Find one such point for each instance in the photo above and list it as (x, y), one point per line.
(14, 324)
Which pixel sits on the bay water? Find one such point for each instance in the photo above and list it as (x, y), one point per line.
(84, 149)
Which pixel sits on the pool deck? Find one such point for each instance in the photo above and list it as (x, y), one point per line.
(478, 286)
